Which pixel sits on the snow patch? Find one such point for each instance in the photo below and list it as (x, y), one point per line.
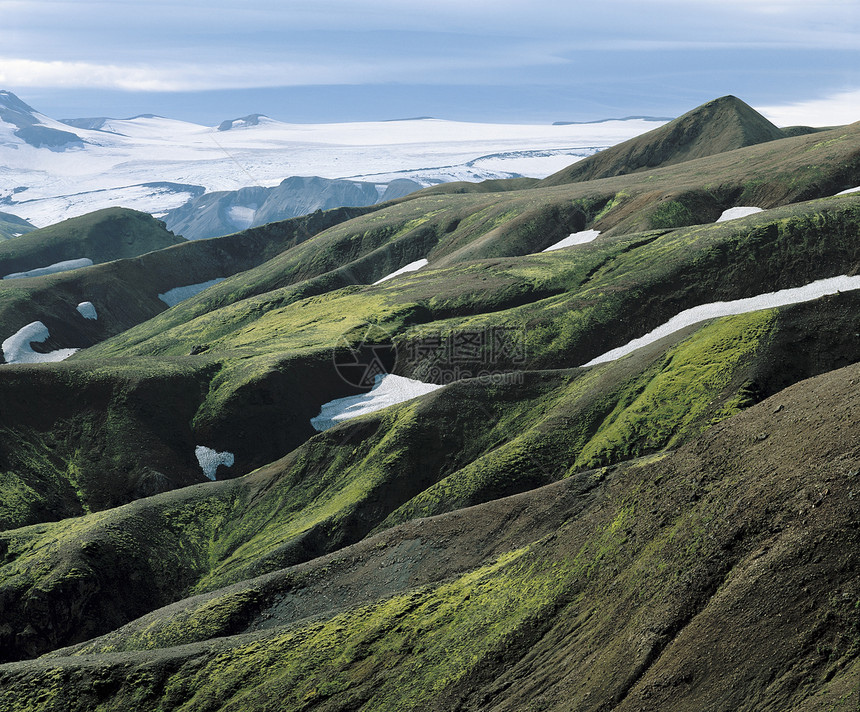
(387, 390)
(849, 190)
(241, 216)
(739, 212)
(575, 238)
(703, 312)
(87, 310)
(209, 460)
(17, 348)
(64, 266)
(172, 297)
(411, 267)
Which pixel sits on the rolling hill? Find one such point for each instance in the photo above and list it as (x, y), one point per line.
(721, 125)
(628, 482)
(13, 226)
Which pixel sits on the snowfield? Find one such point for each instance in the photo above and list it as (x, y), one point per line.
(172, 297)
(387, 390)
(17, 348)
(575, 238)
(688, 317)
(112, 165)
(65, 266)
(87, 310)
(739, 212)
(411, 267)
(209, 460)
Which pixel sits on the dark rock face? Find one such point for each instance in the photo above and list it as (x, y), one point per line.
(222, 213)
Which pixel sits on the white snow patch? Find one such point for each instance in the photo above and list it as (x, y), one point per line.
(64, 266)
(210, 460)
(17, 348)
(739, 212)
(387, 390)
(87, 310)
(850, 190)
(241, 216)
(172, 297)
(575, 238)
(703, 312)
(411, 267)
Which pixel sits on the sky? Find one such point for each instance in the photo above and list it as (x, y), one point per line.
(509, 61)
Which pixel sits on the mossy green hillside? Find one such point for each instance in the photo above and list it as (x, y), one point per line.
(562, 309)
(613, 603)
(11, 226)
(719, 126)
(645, 403)
(564, 300)
(125, 291)
(80, 439)
(565, 308)
(101, 236)
(470, 443)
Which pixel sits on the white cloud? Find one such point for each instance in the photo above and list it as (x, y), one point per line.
(333, 68)
(835, 110)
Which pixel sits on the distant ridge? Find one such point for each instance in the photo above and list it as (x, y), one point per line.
(29, 126)
(603, 121)
(249, 120)
(100, 236)
(721, 125)
(12, 226)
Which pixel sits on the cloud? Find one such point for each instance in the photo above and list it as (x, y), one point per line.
(358, 68)
(834, 110)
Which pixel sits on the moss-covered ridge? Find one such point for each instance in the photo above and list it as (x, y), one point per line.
(101, 236)
(125, 291)
(721, 125)
(11, 226)
(467, 444)
(76, 440)
(698, 550)
(265, 363)
(574, 304)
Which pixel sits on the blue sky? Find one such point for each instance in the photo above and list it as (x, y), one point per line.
(473, 60)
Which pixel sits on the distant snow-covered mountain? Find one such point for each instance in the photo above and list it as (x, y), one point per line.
(52, 170)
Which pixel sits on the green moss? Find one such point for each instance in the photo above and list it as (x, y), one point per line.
(681, 396)
(670, 214)
(616, 200)
(432, 637)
